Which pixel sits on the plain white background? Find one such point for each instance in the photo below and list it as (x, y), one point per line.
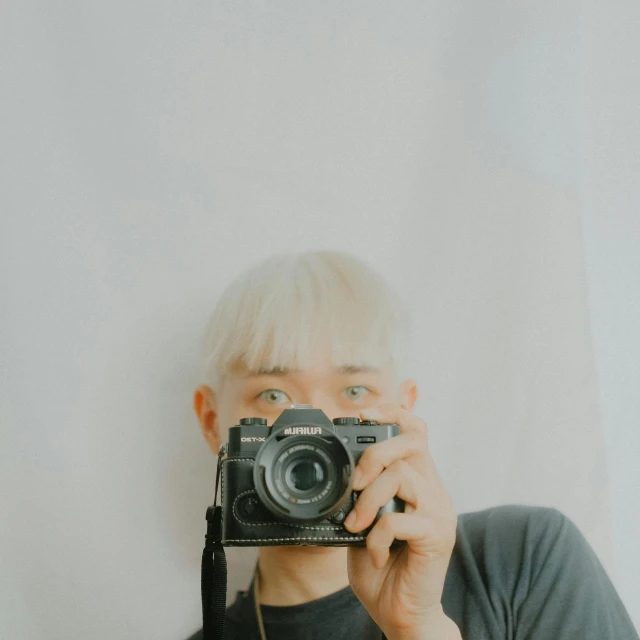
(484, 158)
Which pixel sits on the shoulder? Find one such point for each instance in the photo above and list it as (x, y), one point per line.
(515, 525)
(506, 541)
(503, 554)
(513, 513)
(531, 570)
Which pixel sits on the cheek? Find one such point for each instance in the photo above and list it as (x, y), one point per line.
(389, 394)
(246, 405)
(232, 408)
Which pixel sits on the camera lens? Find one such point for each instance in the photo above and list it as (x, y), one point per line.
(303, 477)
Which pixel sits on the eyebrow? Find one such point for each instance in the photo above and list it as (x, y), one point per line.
(284, 371)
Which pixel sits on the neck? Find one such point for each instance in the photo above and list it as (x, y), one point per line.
(294, 575)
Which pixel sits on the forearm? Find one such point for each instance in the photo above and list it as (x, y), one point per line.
(436, 627)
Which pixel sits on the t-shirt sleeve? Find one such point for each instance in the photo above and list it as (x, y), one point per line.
(562, 591)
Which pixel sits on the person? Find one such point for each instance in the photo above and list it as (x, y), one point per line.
(325, 329)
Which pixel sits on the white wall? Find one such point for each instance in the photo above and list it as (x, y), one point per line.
(151, 150)
(611, 231)
(614, 281)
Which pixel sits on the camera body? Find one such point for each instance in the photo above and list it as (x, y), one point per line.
(291, 483)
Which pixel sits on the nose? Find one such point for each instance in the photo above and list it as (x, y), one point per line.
(328, 406)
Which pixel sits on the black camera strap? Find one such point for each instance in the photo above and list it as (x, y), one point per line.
(214, 571)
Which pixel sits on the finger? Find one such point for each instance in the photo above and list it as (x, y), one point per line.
(400, 479)
(395, 414)
(425, 536)
(377, 457)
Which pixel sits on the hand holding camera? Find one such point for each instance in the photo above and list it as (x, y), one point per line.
(292, 483)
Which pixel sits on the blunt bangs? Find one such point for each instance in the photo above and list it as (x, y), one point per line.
(291, 311)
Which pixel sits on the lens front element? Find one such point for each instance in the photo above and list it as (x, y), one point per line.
(303, 477)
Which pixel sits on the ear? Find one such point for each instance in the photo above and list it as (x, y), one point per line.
(408, 394)
(206, 408)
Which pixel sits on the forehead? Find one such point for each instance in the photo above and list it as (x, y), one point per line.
(315, 373)
(279, 371)
(240, 379)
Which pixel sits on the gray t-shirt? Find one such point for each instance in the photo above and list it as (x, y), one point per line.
(516, 572)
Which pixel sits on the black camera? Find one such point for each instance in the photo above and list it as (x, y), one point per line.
(291, 483)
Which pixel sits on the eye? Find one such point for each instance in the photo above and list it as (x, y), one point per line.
(355, 393)
(274, 396)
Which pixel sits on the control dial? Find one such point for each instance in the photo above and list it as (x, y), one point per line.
(261, 422)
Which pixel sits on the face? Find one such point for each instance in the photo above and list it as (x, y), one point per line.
(338, 392)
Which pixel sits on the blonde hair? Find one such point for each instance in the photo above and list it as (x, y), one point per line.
(290, 309)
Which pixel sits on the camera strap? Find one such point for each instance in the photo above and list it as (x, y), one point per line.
(214, 571)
